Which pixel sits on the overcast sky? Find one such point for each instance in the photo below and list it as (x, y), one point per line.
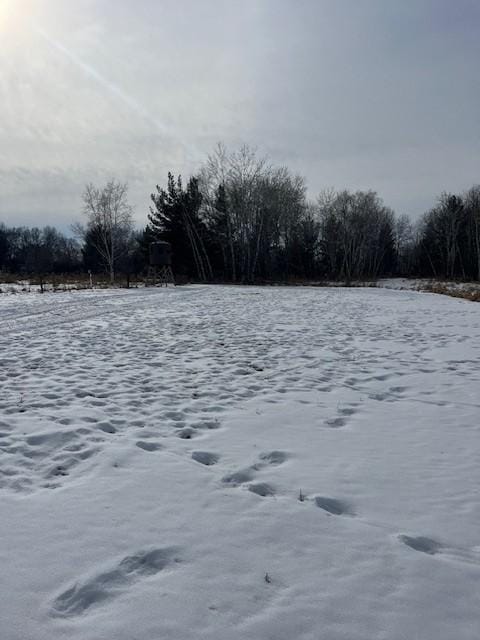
(380, 94)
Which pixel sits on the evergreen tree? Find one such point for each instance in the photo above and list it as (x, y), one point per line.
(176, 218)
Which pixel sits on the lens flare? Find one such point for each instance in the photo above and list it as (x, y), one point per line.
(6, 13)
(12, 16)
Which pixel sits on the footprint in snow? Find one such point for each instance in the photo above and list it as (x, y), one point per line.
(205, 457)
(347, 411)
(148, 446)
(272, 458)
(262, 489)
(105, 586)
(336, 423)
(421, 543)
(106, 427)
(333, 506)
(207, 424)
(239, 477)
(187, 433)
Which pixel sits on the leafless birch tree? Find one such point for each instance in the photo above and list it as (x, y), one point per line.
(109, 222)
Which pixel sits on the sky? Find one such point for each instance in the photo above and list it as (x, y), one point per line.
(358, 94)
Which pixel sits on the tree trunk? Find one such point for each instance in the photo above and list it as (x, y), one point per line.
(477, 243)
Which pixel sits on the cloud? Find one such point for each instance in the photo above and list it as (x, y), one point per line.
(367, 95)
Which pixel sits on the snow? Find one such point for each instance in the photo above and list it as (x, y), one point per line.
(236, 463)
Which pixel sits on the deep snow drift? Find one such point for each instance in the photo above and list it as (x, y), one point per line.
(233, 463)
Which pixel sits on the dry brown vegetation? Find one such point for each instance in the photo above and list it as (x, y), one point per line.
(472, 294)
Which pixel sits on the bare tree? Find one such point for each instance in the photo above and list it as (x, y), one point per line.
(441, 237)
(109, 222)
(404, 235)
(472, 201)
(240, 175)
(356, 235)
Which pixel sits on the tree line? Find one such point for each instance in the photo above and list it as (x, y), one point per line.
(241, 219)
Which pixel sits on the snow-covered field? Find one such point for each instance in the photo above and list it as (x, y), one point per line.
(239, 463)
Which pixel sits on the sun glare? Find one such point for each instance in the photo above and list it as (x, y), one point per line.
(10, 12)
(5, 11)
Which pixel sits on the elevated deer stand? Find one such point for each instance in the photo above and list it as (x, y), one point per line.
(160, 265)
(159, 276)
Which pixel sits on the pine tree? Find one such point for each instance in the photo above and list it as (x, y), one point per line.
(176, 218)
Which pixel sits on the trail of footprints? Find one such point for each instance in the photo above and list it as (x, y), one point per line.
(243, 476)
(54, 454)
(339, 507)
(99, 588)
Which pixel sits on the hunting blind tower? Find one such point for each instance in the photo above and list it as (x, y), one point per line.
(160, 264)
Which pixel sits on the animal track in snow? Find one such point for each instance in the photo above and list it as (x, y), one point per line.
(207, 424)
(334, 506)
(205, 457)
(347, 411)
(239, 477)
(274, 457)
(187, 433)
(59, 470)
(398, 389)
(106, 585)
(262, 489)
(106, 427)
(148, 446)
(336, 423)
(421, 543)
(381, 396)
